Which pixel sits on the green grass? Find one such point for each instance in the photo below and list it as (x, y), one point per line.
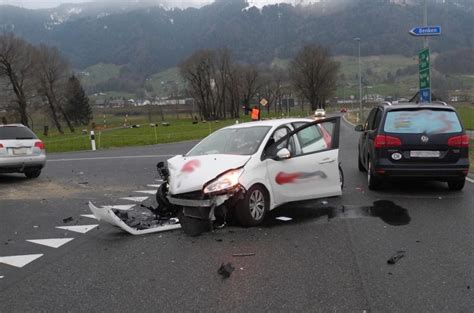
(117, 136)
(471, 155)
(162, 82)
(467, 116)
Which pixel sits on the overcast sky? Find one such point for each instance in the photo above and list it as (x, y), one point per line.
(37, 4)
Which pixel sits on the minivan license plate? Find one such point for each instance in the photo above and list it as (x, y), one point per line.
(424, 154)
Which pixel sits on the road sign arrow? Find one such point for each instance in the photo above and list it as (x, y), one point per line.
(426, 31)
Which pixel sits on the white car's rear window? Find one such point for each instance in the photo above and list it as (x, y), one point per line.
(16, 133)
(422, 122)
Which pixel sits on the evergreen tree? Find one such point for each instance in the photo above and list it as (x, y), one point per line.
(77, 103)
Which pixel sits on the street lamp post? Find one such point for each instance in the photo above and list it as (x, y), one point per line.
(360, 81)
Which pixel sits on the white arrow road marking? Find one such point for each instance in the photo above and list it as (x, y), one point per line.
(136, 199)
(19, 260)
(89, 216)
(154, 185)
(53, 243)
(79, 229)
(122, 207)
(149, 192)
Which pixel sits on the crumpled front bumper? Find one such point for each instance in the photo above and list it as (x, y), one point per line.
(211, 202)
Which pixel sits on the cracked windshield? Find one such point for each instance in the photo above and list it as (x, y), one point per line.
(236, 155)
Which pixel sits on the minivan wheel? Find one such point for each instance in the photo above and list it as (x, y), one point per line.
(456, 184)
(252, 209)
(372, 181)
(32, 173)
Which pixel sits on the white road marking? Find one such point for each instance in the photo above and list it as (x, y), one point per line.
(89, 216)
(154, 185)
(2, 277)
(111, 158)
(53, 243)
(19, 260)
(122, 207)
(136, 199)
(283, 218)
(161, 180)
(79, 229)
(470, 180)
(148, 192)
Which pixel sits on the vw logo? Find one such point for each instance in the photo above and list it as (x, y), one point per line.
(424, 139)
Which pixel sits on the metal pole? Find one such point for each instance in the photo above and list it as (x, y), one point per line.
(425, 23)
(360, 81)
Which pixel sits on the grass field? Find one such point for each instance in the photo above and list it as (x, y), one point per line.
(99, 73)
(467, 116)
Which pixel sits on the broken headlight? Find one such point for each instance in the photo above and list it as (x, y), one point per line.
(224, 182)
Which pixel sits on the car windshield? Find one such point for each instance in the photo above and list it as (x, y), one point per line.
(15, 132)
(240, 141)
(422, 122)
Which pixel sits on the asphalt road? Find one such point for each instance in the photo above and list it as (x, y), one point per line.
(330, 257)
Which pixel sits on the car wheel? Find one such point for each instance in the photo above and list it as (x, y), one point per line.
(372, 181)
(161, 196)
(252, 209)
(361, 166)
(456, 185)
(34, 173)
(341, 177)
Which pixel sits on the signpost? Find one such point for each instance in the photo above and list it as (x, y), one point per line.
(424, 59)
(424, 71)
(425, 31)
(263, 102)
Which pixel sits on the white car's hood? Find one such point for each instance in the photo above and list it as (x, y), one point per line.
(191, 173)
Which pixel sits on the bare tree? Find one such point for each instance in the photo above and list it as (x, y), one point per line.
(251, 83)
(198, 70)
(17, 66)
(52, 74)
(314, 75)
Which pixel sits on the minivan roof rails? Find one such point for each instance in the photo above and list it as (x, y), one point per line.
(440, 102)
(387, 102)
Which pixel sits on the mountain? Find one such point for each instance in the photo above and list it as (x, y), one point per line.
(146, 37)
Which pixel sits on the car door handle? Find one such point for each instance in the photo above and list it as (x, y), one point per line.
(327, 160)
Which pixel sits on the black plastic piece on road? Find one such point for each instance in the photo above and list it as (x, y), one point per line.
(396, 257)
(225, 270)
(67, 220)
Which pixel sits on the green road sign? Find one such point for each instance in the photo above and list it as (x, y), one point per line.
(425, 79)
(424, 59)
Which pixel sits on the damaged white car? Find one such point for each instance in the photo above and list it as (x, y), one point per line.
(248, 169)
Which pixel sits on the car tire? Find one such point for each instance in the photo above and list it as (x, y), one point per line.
(373, 181)
(360, 165)
(252, 209)
(456, 185)
(32, 173)
(161, 196)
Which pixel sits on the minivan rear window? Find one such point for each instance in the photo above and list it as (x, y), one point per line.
(422, 122)
(15, 132)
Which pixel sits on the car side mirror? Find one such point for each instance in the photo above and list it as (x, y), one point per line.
(359, 128)
(283, 154)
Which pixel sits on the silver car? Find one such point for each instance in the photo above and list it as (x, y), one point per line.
(21, 151)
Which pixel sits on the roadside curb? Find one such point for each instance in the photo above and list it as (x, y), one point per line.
(345, 120)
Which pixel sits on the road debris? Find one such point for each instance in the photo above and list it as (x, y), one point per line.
(243, 254)
(135, 222)
(324, 202)
(283, 218)
(67, 219)
(225, 270)
(396, 257)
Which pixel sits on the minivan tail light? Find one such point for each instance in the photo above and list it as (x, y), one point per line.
(1, 146)
(39, 144)
(384, 141)
(459, 141)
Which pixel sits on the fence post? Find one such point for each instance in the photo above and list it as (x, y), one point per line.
(93, 140)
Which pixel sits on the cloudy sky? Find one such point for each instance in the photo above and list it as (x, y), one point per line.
(36, 4)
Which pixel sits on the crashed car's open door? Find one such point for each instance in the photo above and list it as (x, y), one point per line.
(312, 168)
